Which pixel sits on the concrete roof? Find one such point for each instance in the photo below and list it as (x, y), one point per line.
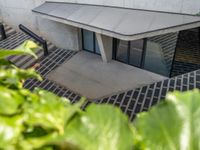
(122, 23)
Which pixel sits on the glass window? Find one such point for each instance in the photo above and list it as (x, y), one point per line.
(97, 50)
(122, 51)
(160, 51)
(129, 52)
(154, 59)
(136, 49)
(88, 43)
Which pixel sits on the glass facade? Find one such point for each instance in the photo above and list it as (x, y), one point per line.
(136, 51)
(154, 59)
(160, 51)
(154, 54)
(97, 49)
(122, 51)
(90, 42)
(129, 52)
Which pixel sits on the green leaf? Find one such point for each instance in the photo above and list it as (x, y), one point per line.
(101, 127)
(13, 77)
(10, 131)
(47, 117)
(27, 48)
(49, 111)
(5, 63)
(10, 101)
(173, 124)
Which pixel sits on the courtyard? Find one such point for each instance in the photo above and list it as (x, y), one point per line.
(131, 100)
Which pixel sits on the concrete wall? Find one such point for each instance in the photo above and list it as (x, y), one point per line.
(15, 12)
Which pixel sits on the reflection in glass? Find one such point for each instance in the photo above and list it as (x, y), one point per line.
(122, 51)
(136, 49)
(97, 47)
(88, 43)
(154, 59)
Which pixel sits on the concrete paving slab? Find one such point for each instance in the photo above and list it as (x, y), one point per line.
(89, 76)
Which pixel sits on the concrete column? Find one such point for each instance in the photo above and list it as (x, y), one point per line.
(105, 46)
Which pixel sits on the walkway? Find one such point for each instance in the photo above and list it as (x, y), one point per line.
(88, 75)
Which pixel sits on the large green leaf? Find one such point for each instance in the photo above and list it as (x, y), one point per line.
(10, 101)
(47, 112)
(13, 77)
(27, 48)
(10, 131)
(101, 127)
(4, 64)
(173, 124)
(46, 119)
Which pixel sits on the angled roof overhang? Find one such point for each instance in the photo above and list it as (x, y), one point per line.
(121, 23)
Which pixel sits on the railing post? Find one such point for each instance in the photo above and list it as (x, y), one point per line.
(36, 37)
(2, 31)
(45, 48)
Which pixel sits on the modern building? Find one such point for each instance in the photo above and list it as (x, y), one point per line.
(141, 38)
(132, 32)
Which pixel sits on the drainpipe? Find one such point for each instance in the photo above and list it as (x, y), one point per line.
(2, 31)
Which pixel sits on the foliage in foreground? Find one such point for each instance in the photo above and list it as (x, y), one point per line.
(42, 120)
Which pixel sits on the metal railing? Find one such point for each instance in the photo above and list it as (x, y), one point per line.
(35, 37)
(2, 32)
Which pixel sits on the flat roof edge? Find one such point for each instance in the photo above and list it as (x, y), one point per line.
(126, 37)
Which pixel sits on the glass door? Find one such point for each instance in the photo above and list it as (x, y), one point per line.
(129, 52)
(136, 51)
(122, 51)
(89, 42)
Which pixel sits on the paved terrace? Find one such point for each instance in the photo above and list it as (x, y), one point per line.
(88, 75)
(131, 101)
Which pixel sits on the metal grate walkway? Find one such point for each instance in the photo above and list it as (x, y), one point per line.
(142, 99)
